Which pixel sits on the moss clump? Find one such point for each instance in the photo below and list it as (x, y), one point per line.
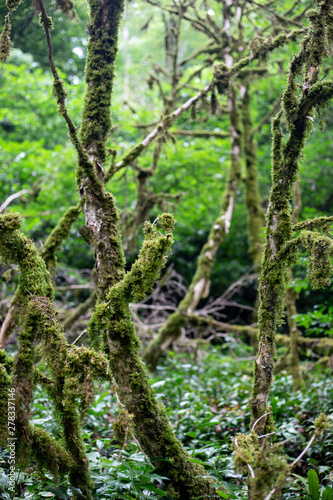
(123, 427)
(5, 43)
(67, 7)
(60, 94)
(322, 423)
(83, 367)
(13, 4)
(6, 368)
(48, 453)
(265, 460)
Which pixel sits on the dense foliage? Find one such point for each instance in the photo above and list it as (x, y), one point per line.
(206, 400)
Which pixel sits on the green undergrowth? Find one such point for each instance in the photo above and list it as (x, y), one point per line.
(207, 402)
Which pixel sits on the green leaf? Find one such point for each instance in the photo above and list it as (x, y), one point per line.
(313, 484)
(222, 494)
(196, 461)
(161, 492)
(327, 494)
(61, 491)
(76, 490)
(191, 434)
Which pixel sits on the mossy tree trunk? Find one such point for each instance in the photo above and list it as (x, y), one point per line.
(116, 290)
(39, 323)
(291, 296)
(255, 219)
(281, 244)
(200, 284)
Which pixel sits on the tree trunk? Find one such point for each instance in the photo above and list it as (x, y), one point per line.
(200, 284)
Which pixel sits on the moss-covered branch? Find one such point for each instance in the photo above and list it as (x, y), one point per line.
(321, 345)
(320, 223)
(203, 321)
(201, 133)
(60, 233)
(48, 453)
(223, 74)
(5, 43)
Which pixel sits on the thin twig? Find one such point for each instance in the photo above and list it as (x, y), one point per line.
(265, 435)
(255, 423)
(13, 197)
(79, 337)
(60, 95)
(304, 451)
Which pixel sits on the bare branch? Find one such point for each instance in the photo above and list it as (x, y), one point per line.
(13, 197)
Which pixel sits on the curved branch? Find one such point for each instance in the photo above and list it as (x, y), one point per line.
(13, 197)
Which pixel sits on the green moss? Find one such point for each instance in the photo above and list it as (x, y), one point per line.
(255, 219)
(128, 158)
(84, 366)
(13, 4)
(60, 94)
(6, 368)
(265, 460)
(322, 423)
(48, 453)
(60, 233)
(123, 427)
(102, 50)
(5, 43)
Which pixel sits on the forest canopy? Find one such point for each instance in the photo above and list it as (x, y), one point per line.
(166, 249)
